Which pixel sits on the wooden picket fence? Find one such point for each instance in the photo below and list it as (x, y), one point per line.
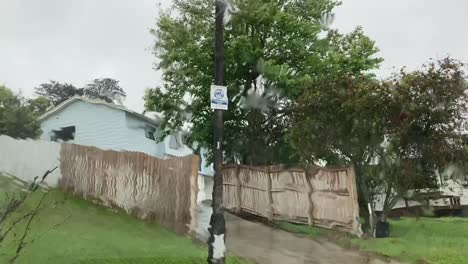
(142, 185)
(325, 197)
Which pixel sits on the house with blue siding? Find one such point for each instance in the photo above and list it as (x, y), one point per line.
(107, 126)
(104, 125)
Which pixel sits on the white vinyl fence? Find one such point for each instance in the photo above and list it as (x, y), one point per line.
(27, 159)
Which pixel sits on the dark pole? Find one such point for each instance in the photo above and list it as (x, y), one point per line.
(216, 242)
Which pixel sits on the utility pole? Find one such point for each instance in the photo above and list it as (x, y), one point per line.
(217, 229)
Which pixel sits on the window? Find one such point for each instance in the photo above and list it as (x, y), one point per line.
(64, 134)
(150, 133)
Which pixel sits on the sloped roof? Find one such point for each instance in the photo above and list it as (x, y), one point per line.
(74, 99)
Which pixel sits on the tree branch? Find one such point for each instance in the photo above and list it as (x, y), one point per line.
(48, 230)
(22, 243)
(13, 204)
(17, 221)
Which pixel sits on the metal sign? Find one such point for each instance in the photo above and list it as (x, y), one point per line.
(219, 98)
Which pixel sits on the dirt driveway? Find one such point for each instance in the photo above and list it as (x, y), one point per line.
(266, 245)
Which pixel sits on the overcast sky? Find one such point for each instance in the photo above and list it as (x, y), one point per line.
(76, 41)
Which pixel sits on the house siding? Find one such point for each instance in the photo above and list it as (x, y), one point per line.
(103, 127)
(136, 140)
(95, 125)
(181, 151)
(456, 188)
(205, 167)
(449, 188)
(106, 127)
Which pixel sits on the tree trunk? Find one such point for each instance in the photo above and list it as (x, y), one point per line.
(365, 198)
(382, 224)
(217, 229)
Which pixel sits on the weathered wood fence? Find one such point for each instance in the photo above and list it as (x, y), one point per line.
(325, 197)
(144, 186)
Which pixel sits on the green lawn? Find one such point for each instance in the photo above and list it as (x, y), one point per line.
(421, 241)
(311, 231)
(94, 234)
(424, 240)
(314, 232)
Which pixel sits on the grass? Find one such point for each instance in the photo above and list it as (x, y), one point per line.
(421, 241)
(9, 185)
(314, 232)
(424, 240)
(71, 230)
(311, 231)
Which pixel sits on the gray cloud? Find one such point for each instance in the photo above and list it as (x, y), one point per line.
(76, 41)
(409, 32)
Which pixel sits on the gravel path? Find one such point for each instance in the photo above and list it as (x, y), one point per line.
(266, 245)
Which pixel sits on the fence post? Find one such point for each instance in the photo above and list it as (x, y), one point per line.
(307, 178)
(238, 190)
(352, 189)
(194, 189)
(270, 196)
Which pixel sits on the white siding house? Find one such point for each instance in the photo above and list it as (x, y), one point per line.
(103, 125)
(206, 175)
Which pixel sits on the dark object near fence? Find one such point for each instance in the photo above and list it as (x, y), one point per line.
(382, 229)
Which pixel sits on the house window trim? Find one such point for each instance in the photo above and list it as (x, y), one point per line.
(150, 133)
(55, 134)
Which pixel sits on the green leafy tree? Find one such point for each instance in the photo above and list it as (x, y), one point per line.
(17, 119)
(38, 105)
(400, 134)
(57, 92)
(340, 120)
(424, 136)
(106, 89)
(272, 49)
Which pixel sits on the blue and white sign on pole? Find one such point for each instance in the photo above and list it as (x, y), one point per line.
(218, 98)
